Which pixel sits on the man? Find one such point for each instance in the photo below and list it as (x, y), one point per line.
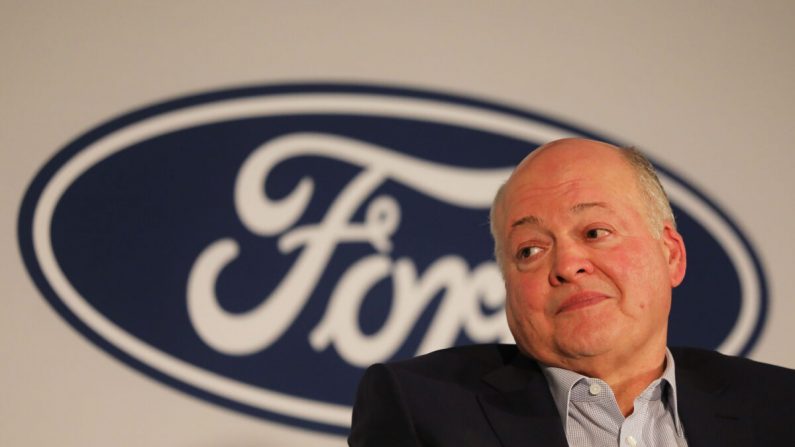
(589, 251)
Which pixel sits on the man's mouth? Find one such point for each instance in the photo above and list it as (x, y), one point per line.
(580, 300)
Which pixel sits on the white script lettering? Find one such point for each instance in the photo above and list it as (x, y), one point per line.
(464, 293)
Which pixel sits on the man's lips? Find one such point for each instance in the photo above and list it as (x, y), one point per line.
(580, 300)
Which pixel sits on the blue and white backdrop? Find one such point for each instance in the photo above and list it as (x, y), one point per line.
(216, 217)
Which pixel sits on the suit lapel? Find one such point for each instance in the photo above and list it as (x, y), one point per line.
(711, 413)
(520, 408)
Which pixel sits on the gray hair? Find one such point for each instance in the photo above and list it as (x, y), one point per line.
(656, 200)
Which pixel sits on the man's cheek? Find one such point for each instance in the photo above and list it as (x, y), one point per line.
(628, 262)
(531, 304)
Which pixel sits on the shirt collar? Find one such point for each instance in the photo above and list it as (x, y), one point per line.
(561, 381)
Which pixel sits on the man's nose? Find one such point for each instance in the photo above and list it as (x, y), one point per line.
(570, 262)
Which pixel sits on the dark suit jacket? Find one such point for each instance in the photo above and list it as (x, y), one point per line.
(491, 395)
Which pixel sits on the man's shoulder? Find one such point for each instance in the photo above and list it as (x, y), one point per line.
(461, 362)
(730, 367)
(440, 398)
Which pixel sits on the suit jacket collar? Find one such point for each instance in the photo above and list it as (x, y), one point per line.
(519, 406)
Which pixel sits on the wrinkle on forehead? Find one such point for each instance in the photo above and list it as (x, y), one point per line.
(576, 209)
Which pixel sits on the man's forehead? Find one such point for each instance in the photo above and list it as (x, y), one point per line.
(577, 208)
(561, 169)
(574, 170)
(570, 167)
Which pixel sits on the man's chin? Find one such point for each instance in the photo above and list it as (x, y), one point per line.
(584, 343)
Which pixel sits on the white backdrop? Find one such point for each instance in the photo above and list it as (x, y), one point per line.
(706, 89)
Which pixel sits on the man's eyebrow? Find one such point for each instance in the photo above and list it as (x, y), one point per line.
(527, 220)
(580, 207)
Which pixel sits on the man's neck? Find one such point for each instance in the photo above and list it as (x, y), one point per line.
(627, 377)
(627, 389)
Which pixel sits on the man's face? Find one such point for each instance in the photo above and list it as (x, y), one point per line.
(585, 275)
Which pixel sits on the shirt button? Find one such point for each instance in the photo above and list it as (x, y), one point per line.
(631, 441)
(594, 389)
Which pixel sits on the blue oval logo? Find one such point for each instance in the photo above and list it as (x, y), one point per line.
(259, 247)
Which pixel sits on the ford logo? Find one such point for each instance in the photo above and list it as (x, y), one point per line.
(259, 247)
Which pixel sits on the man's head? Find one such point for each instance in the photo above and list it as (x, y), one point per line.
(589, 251)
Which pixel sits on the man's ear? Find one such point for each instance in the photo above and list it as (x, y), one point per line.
(675, 252)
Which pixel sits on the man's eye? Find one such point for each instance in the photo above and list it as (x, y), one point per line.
(527, 252)
(596, 233)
